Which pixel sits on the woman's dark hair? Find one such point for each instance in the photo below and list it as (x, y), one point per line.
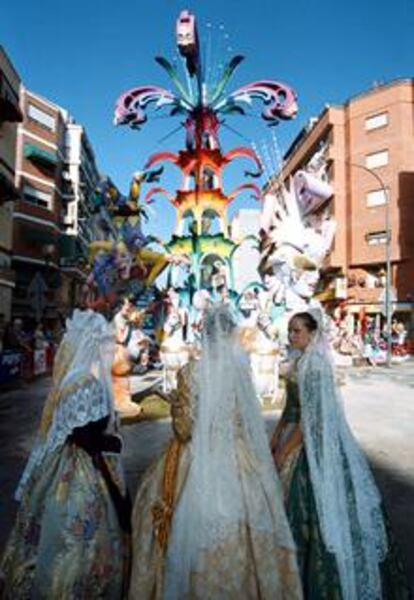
(310, 322)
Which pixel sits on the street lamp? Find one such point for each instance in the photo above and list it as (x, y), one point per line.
(388, 312)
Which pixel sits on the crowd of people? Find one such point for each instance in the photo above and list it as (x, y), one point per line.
(28, 347)
(368, 343)
(221, 513)
(15, 335)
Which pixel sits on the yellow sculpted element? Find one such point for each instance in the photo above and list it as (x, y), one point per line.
(150, 262)
(154, 263)
(98, 246)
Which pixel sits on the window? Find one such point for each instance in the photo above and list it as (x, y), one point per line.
(34, 196)
(42, 118)
(376, 198)
(376, 121)
(376, 238)
(377, 159)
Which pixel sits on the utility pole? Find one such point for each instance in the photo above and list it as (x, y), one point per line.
(388, 311)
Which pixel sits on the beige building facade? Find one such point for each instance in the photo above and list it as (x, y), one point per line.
(38, 213)
(10, 115)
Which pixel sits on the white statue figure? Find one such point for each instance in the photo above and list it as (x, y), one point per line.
(260, 340)
(174, 350)
(264, 350)
(296, 238)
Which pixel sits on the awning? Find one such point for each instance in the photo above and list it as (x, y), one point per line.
(33, 152)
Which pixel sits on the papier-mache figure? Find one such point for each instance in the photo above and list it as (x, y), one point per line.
(296, 238)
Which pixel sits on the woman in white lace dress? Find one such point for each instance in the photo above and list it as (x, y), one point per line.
(205, 523)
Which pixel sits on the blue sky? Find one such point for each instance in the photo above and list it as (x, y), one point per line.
(84, 54)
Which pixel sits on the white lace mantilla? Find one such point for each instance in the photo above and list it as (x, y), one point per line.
(347, 500)
(80, 404)
(82, 387)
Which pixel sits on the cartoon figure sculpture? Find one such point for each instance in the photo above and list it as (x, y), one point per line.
(122, 363)
(128, 221)
(126, 256)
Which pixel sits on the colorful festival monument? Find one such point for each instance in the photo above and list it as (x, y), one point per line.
(296, 230)
(201, 198)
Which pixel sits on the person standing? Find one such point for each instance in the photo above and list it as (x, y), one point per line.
(205, 523)
(72, 530)
(345, 547)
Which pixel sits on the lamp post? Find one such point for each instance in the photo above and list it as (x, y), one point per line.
(388, 312)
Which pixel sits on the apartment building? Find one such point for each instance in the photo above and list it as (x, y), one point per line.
(366, 149)
(10, 115)
(38, 213)
(82, 222)
(83, 177)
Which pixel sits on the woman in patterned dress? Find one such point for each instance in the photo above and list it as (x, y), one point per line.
(205, 524)
(345, 547)
(71, 536)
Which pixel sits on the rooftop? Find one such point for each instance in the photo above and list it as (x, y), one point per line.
(377, 87)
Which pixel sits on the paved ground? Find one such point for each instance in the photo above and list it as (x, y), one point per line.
(379, 404)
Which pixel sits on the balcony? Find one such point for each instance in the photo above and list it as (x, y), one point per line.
(38, 235)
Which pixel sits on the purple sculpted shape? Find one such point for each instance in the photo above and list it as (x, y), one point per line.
(130, 107)
(280, 99)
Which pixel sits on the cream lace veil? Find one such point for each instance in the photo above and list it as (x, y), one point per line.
(81, 389)
(232, 485)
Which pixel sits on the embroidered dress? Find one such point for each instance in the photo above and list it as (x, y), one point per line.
(204, 522)
(318, 563)
(70, 539)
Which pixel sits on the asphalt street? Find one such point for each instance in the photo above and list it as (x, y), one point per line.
(379, 403)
